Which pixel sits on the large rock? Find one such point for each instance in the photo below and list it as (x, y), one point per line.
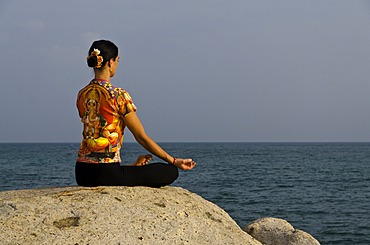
(273, 231)
(115, 215)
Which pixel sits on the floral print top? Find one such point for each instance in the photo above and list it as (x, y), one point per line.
(101, 107)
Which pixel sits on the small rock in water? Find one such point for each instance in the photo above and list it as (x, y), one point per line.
(273, 231)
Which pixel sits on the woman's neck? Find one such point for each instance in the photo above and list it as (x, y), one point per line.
(102, 74)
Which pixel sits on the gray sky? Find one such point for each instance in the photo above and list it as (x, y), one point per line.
(199, 71)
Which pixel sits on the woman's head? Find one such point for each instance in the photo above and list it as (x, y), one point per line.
(101, 52)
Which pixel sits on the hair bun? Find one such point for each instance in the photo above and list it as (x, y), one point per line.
(92, 61)
(97, 62)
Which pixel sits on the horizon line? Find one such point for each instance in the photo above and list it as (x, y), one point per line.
(174, 142)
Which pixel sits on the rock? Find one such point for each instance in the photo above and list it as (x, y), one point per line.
(273, 231)
(115, 215)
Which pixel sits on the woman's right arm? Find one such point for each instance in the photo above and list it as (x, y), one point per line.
(134, 124)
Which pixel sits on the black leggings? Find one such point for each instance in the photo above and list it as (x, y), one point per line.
(113, 174)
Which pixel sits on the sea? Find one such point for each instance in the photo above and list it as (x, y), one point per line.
(320, 188)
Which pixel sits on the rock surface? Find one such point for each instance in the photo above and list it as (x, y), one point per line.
(115, 215)
(273, 231)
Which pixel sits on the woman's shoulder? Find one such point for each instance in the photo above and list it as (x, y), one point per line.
(115, 92)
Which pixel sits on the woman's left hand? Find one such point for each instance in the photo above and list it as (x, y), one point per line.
(184, 164)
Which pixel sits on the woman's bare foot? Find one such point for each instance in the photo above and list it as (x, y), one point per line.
(142, 160)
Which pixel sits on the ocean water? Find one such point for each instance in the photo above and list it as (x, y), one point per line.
(321, 188)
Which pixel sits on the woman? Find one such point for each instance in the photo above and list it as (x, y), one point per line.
(105, 110)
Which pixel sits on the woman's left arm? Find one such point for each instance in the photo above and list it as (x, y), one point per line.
(134, 124)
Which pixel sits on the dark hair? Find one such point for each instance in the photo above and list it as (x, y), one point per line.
(108, 50)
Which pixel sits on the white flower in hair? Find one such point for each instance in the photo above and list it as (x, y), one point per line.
(95, 52)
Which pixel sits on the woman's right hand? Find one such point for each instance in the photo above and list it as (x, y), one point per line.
(184, 164)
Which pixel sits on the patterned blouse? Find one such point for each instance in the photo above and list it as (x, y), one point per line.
(102, 107)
